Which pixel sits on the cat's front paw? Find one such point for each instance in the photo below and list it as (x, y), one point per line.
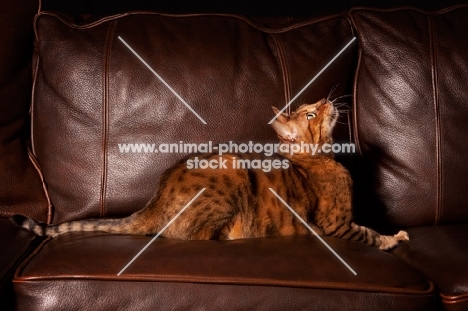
(387, 242)
(402, 236)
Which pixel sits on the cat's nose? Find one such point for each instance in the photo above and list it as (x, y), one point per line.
(321, 103)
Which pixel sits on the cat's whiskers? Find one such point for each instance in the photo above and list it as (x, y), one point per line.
(341, 122)
(340, 104)
(343, 110)
(330, 94)
(342, 107)
(340, 97)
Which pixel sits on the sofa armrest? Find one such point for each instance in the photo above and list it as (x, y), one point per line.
(15, 244)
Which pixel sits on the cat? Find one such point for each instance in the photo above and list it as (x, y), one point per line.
(238, 203)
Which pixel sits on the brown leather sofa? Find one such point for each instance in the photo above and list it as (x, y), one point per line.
(404, 79)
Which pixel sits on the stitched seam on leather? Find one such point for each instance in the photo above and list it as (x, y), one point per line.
(354, 131)
(350, 113)
(284, 71)
(105, 116)
(210, 280)
(242, 18)
(349, 119)
(33, 106)
(37, 167)
(31, 151)
(454, 299)
(19, 270)
(435, 94)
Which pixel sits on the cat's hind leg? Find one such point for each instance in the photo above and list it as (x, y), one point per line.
(210, 231)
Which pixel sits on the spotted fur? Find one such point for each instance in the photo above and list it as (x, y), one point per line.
(237, 203)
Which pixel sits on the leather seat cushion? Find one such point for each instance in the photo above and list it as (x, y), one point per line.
(80, 269)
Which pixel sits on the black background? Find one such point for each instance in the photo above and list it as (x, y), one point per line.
(294, 8)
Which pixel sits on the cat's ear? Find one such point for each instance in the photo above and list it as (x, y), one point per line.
(282, 117)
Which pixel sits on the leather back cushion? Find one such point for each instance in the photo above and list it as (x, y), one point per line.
(92, 93)
(411, 113)
(20, 186)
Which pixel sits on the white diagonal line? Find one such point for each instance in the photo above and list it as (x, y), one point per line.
(162, 80)
(312, 230)
(313, 79)
(162, 230)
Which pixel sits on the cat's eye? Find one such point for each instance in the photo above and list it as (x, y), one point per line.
(311, 115)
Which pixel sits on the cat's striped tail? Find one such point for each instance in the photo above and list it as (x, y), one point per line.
(124, 226)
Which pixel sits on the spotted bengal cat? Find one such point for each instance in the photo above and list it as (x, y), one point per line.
(238, 203)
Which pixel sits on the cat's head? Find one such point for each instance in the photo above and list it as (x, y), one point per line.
(309, 124)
